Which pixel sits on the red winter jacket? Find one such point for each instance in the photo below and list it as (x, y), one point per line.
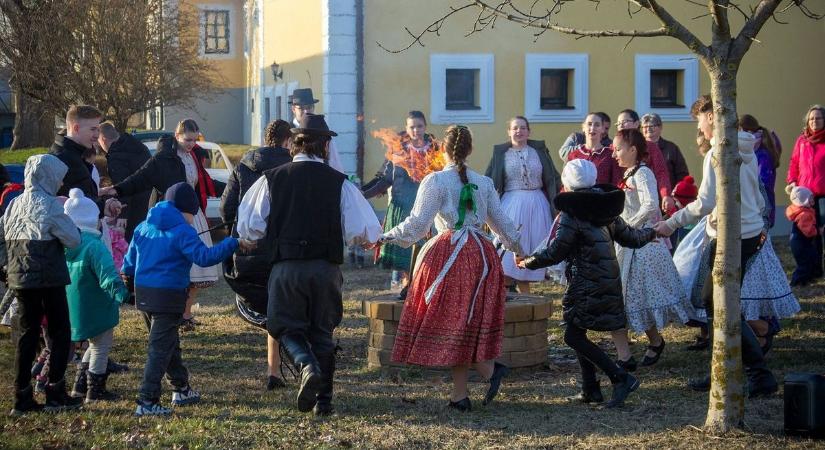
(804, 217)
(807, 167)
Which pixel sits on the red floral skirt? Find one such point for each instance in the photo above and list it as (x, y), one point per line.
(454, 328)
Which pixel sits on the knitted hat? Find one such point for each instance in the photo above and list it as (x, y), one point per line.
(686, 191)
(802, 196)
(83, 211)
(578, 174)
(183, 197)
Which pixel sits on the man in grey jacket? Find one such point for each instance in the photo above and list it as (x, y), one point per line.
(33, 234)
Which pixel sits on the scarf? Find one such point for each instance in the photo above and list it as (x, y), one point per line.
(814, 137)
(205, 186)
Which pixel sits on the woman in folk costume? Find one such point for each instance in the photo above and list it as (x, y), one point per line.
(454, 313)
(653, 292)
(401, 174)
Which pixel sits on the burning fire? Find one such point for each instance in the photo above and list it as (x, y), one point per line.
(417, 163)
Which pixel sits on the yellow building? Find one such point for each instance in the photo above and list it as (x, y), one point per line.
(482, 80)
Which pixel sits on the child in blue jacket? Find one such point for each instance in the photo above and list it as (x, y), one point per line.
(158, 261)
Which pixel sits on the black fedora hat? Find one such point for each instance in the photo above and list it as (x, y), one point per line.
(303, 96)
(313, 124)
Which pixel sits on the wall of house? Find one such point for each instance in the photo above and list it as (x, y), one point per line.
(397, 83)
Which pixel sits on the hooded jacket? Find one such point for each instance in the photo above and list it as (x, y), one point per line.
(126, 156)
(96, 291)
(589, 223)
(35, 229)
(252, 166)
(162, 252)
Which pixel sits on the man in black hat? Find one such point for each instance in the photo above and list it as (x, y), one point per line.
(307, 247)
(303, 102)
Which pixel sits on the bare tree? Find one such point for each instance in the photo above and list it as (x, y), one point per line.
(123, 56)
(722, 58)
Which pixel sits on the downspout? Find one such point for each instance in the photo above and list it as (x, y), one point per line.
(359, 89)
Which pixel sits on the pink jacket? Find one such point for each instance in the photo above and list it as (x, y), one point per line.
(807, 166)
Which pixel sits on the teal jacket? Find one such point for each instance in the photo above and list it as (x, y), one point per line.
(96, 291)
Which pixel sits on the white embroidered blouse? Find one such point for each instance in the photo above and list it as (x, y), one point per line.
(641, 203)
(437, 201)
(522, 169)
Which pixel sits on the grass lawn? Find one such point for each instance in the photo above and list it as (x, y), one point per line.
(406, 409)
(8, 156)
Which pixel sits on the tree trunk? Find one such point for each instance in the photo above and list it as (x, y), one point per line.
(726, 405)
(33, 125)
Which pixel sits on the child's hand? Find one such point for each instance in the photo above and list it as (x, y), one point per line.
(662, 230)
(519, 261)
(112, 208)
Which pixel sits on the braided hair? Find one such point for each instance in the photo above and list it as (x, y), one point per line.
(276, 133)
(458, 143)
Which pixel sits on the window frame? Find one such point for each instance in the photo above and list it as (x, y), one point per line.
(485, 64)
(578, 106)
(214, 27)
(231, 37)
(686, 63)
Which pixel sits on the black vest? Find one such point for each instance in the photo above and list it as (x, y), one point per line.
(305, 212)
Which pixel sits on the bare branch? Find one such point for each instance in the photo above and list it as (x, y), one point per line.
(763, 11)
(434, 27)
(721, 25)
(676, 29)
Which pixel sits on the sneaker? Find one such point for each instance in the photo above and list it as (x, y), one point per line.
(151, 409)
(187, 396)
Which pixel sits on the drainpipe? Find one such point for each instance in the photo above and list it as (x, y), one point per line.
(359, 90)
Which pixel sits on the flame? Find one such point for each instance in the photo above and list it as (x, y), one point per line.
(417, 164)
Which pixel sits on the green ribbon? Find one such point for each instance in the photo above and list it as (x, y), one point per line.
(466, 195)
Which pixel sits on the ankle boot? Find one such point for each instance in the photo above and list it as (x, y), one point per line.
(323, 405)
(58, 400)
(81, 384)
(97, 388)
(761, 381)
(24, 402)
(299, 353)
(590, 393)
(626, 384)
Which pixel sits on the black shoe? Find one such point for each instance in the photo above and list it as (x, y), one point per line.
(403, 294)
(629, 365)
(461, 405)
(274, 382)
(58, 400)
(622, 389)
(114, 367)
(589, 394)
(701, 343)
(24, 402)
(657, 349)
(81, 384)
(763, 389)
(699, 384)
(323, 403)
(299, 353)
(97, 389)
(499, 372)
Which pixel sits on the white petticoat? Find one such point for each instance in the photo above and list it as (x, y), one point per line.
(531, 211)
(203, 276)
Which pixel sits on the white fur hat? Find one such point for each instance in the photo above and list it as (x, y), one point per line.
(83, 211)
(801, 196)
(578, 174)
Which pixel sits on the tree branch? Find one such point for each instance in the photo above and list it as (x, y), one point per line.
(763, 11)
(676, 29)
(721, 25)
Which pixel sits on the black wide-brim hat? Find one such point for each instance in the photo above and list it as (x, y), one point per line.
(313, 124)
(303, 96)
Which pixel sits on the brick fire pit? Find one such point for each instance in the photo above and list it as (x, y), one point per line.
(525, 329)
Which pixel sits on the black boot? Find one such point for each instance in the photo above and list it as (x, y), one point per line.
(297, 350)
(761, 381)
(81, 384)
(58, 400)
(323, 406)
(97, 388)
(626, 384)
(24, 402)
(113, 366)
(591, 393)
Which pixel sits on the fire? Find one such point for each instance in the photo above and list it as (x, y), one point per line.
(417, 163)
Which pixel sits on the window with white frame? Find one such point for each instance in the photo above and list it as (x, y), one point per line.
(667, 85)
(556, 87)
(462, 88)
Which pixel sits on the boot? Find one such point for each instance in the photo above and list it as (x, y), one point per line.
(591, 393)
(58, 400)
(323, 405)
(24, 402)
(81, 384)
(626, 384)
(97, 388)
(761, 381)
(297, 350)
(113, 366)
